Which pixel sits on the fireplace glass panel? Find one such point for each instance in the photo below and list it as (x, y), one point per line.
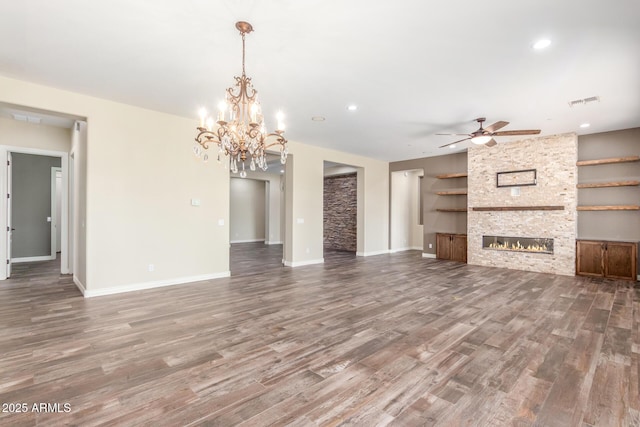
(518, 244)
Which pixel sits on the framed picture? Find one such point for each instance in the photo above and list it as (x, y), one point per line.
(516, 178)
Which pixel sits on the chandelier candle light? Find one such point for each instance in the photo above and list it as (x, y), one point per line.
(239, 130)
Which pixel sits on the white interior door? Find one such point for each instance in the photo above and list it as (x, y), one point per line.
(56, 214)
(9, 225)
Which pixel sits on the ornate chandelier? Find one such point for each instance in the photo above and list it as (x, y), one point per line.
(239, 130)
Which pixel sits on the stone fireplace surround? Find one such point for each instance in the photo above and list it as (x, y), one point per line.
(554, 157)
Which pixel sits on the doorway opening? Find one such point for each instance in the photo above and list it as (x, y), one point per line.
(35, 174)
(340, 211)
(406, 231)
(256, 219)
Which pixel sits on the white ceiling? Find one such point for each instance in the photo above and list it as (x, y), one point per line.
(413, 67)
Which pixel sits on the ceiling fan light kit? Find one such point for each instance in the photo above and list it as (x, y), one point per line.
(485, 135)
(481, 139)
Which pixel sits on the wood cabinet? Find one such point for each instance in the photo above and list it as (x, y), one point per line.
(600, 258)
(451, 247)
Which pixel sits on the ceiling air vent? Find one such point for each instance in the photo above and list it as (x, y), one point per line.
(584, 101)
(25, 118)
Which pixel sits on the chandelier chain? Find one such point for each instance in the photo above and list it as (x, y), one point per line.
(243, 34)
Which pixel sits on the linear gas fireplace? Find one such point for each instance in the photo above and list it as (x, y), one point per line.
(518, 244)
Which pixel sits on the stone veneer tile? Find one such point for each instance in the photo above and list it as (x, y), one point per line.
(341, 212)
(554, 158)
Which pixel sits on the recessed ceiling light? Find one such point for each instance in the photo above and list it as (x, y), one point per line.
(541, 44)
(352, 107)
(585, 125)
(318, 119)
(452, 146)
(281, 170)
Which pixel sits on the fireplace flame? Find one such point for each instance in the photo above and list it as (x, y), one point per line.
(519, 247)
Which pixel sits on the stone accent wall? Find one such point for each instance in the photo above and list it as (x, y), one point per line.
(341, 212)
(554, 158)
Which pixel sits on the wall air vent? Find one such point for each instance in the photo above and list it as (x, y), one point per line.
(584, 101)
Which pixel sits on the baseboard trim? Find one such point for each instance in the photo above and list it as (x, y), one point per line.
(88, 293)
(247, 241)
(79, 285)
(372, 253)
(408, 248)
(302, 263)
(426, 255)
(32, 259)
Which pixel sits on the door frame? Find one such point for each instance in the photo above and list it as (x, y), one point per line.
(54, 212)
(64, 246)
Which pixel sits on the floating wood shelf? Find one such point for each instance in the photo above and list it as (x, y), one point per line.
(609, 208)
(518, 208)
(607, 161)
(452, 175)
(609, 184)
(452, 193)
(452, 210)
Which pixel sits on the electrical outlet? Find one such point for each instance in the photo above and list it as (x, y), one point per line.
(430, 246)
(151, 267)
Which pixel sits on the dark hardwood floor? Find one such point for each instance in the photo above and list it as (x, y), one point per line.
(385, 340)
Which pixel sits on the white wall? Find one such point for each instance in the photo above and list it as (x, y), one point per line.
(406, 232)
(247, 210)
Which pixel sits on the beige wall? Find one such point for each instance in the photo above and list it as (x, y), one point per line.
(78, 203)
(247, 210)
(142, 174)
(406, 232)
(23, 134)
(36, 139)
(434, 221)
(304, 186)
(274, 216)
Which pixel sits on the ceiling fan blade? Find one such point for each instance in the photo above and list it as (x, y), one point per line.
(454, 142)
(491, 143)
(454, 134)
(517, 132)
(494, 127)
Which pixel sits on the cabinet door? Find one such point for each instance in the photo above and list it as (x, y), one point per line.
(620, 260)
(443, 246)
(589, 258)
(459, 248)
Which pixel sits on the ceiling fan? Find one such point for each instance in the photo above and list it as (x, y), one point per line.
(485, 135)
